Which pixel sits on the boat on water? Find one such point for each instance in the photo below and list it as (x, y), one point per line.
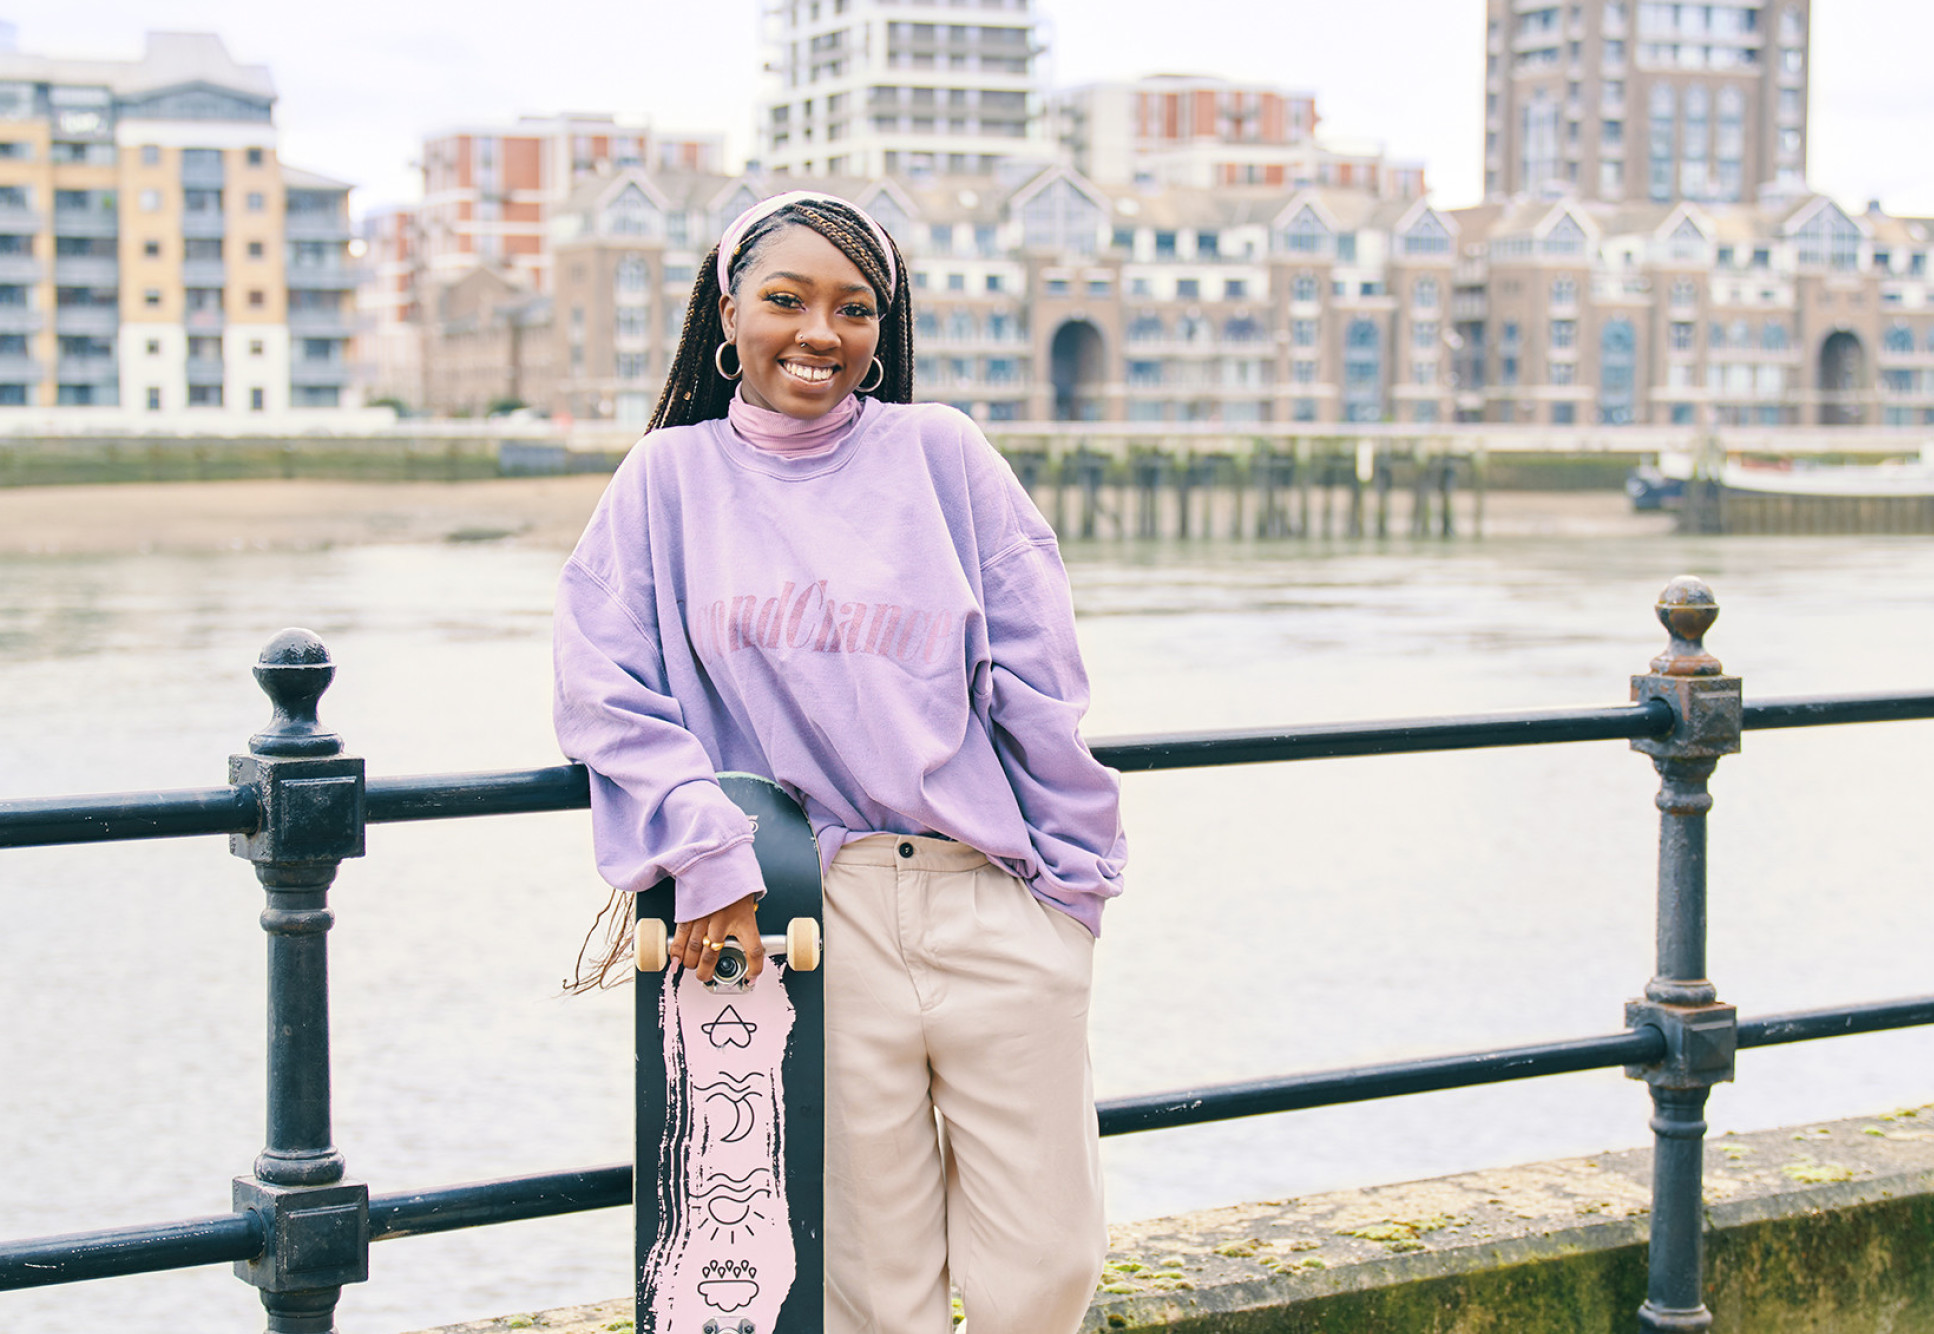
(1661, 484)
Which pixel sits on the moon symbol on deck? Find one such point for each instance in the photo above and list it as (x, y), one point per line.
(738, 1094)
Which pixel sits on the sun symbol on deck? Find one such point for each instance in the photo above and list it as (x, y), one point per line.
(730, 1204)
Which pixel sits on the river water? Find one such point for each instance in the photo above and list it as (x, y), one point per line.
(1283, 918)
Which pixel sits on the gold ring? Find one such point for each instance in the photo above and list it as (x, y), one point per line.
(708, 944)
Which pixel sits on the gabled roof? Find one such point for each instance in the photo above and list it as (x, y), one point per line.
(172, 60)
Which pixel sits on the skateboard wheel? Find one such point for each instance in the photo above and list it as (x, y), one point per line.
(802, 944)
(648, 945)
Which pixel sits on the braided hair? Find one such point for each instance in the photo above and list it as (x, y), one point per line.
(695, 392)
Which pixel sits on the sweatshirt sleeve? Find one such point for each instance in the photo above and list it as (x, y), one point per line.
(1069, 800)
(656, 807)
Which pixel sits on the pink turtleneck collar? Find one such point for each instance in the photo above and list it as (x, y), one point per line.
(772, 432)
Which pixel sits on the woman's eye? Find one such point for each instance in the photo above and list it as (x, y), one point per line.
(786, 299)
(858, 312)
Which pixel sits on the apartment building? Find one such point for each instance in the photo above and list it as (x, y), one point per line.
(1646, 102)
(489, 190)
(155, 253)
(1786, 312)
(871, 88)
(1201, 131)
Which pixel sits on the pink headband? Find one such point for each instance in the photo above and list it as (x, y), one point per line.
(735, 234)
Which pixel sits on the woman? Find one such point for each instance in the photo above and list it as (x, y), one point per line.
(800, 573)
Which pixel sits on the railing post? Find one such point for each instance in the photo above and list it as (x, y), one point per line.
(1680, 1002)
(312, 806)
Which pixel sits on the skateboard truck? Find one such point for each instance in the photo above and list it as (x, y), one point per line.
(799, 946)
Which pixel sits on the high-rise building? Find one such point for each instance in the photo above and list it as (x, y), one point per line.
(155, 254)
(873, 88)
(1631, 100)
(1200, 131)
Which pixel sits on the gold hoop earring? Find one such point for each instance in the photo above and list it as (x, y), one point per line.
(864, 388)
(718, 361)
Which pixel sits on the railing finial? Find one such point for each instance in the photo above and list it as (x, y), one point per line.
(1687, 607)
(293, 671)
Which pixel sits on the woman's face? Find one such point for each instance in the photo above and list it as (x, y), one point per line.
(805, 322)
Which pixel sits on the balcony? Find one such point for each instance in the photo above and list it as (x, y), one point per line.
(315, 227)
(97, 223)
(87, 271)
(206, 370)
(204, 226)
(17, 370)
(319, 323)
(207, 320)
(204, 273)
(19, 320)
(18, 219)
(19, 269)
(202, 173)
(87, 370)
(92, 321)
(321, 278)
(312, 374)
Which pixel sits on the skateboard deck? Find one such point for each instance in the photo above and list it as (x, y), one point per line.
(731, 1121)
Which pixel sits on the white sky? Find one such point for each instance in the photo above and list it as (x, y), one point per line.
(362, 81)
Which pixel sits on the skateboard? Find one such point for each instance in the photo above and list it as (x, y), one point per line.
(731, 1120)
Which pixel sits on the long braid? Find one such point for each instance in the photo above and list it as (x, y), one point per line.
(695, 392)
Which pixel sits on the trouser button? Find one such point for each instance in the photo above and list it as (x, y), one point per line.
(906, 849)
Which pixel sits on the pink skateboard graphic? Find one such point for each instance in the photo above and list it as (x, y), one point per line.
(731, 1122)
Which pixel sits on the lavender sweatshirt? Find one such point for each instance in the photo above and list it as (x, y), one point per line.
(886, 630)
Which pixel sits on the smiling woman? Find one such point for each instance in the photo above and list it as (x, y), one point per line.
(800, 574)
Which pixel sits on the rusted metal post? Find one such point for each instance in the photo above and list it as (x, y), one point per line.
(1680, 1002)
(313, 813)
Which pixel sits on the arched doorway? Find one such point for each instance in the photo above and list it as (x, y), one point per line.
(1843, 375)
(1077, 365)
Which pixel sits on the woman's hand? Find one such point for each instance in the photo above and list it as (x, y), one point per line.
(696, 943)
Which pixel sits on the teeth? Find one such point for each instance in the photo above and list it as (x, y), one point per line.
(810, 374)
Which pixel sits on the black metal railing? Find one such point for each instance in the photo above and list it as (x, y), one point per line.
(296, 806)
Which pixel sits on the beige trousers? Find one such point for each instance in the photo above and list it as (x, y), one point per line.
(951, 990)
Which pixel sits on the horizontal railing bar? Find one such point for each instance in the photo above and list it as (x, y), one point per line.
(1807, 1025)
(112, 816)
(1365, 1083)
(77, 1256)
(447, 1208)
(87, 1255)
(1404, 736)
(38, 821)
(563, 787)
(1821, 710)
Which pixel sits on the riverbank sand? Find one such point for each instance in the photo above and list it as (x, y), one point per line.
(538, 511)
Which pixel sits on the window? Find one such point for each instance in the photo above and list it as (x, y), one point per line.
(1188, 289)
(258, 397)
(151, 249)
(255, 250)
(151, 157)
(257, 201)
(151, 297)
(956, 282)
(1564, 334)
(1165, 245)
(1302, 333)
(1564, 414)
(994, 283)
(154, 399)
(255, 347)
(1303, 287)
(149, 201)
(255, 160)
(257, 298)
(1680, 335)
(1234, 289)
(1208, 245)
(1423, 335)
(1424, 294)
(154, 347)
(1098, 287)
(1564, 292)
